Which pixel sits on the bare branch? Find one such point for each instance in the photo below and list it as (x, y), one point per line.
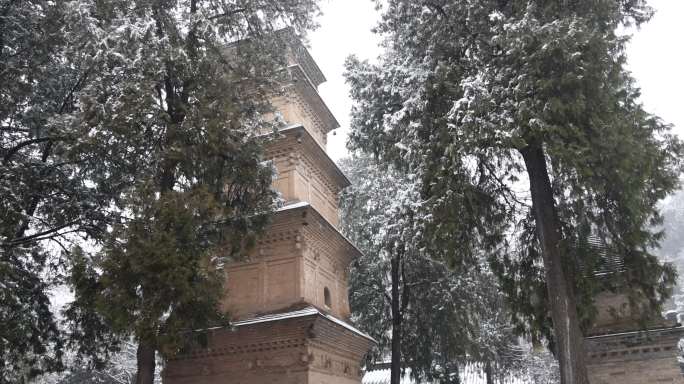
(47, 234)
(24, 144)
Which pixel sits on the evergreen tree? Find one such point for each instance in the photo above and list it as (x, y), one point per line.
(479, 98)
(174, 112)
(133, 124)
(119, 369)
(44, 200)
(427, 317)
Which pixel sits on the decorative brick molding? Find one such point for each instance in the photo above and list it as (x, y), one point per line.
(305, 172)
(646, 356)
(637, 345)
(306, 341)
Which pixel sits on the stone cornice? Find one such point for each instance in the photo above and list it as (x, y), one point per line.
(298, 134)
(300, 55)
(301, 220)
(309, 93)
(637, 345)
(310, 325)
(244, 348)
(313, 216)
(303, 58)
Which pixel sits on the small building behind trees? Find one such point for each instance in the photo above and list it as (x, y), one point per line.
(630, 344)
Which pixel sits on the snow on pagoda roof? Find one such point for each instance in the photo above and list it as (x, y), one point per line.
(316, 150)
(308, 311)
(331, 226)
(293, 206)
(675, 329)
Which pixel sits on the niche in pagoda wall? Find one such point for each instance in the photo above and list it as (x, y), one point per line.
(323, 270)
(318, 280)
(301, 256)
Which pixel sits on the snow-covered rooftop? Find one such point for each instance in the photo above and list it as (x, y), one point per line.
(308, 311)
(293, 206)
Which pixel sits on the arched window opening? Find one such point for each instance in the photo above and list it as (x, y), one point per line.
(326, 297)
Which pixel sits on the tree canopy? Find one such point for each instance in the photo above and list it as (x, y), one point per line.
(44, 199)
(133, 125)
(440, 320)
(478, 99)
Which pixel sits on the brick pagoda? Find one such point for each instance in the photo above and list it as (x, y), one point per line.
(290, 298)
(624, 347)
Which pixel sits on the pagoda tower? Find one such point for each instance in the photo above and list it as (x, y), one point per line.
(626, 347)
(289, 299)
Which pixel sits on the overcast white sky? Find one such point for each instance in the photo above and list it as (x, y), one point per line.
(656, 59)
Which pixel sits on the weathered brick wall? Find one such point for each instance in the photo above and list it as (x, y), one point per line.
(269, 352)
(306, 173)
(301, 260)
(298, 350)
(299, 257)
(635, 357)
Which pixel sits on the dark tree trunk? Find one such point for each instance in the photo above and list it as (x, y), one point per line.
(569, 338)
(33, 204)
(146, 364)
(395, 370)
(489, 373)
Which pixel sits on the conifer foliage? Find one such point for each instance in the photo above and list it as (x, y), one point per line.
(134, 124)
(527, 134)
(43, 197)
(192, 78)
(426, 317)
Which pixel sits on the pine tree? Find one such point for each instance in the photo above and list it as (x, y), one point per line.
(425, 316)
(133, 125)
(120, 368)
(173, 112)
(481, 98)
(44, 201)
(377, 217)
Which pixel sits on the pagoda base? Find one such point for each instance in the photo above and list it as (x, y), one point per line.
(300, 347)
(639, 357)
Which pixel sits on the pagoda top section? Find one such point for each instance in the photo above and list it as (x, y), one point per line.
(297, 54)
(299, 102)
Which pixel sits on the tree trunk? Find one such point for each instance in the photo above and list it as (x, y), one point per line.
(395, 370)
(146, 364)
(569, 338)
(489, 373)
